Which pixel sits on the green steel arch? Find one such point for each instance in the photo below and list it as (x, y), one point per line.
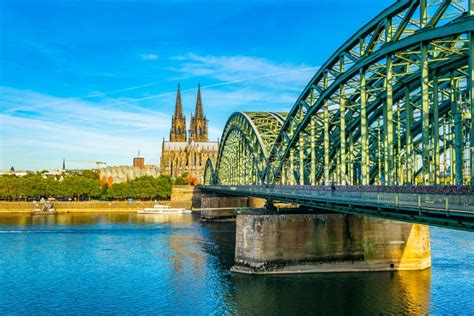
(209, 172)
(244, 149)
(393, 105)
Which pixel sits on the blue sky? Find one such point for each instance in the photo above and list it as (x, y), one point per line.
(96, 80)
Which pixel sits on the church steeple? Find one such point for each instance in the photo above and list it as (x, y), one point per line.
(199, 111)
(198, 121)
(178, 121)
(178, 109)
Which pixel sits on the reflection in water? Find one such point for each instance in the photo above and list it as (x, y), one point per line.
(357, 293)
(65, 219)
(165, 218)
(333, 293)
(105, 263)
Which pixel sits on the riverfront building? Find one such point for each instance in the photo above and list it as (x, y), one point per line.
(120, 174)
(187, 151)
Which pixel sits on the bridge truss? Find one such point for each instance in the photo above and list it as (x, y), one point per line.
(392, 106)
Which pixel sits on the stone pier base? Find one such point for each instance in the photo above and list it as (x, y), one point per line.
(209, 201)
(306, 243)
(221, 208)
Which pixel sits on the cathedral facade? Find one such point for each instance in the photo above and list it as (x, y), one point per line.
(187, 151)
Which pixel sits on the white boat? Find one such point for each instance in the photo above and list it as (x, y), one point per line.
(164, 209)
(156, 207)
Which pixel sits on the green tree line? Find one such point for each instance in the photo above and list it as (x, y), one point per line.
(82, 186)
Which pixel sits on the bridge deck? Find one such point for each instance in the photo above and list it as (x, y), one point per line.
(453, 210)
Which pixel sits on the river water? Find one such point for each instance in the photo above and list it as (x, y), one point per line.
(175, 265)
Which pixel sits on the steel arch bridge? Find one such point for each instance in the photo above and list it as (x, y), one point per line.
(392, 106)
(245, 148)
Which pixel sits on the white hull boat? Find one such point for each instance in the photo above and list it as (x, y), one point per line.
(164, 209)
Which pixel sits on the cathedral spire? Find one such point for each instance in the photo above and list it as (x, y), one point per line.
(178, 110)
(199, 111)
(198, 121)
(178, 121)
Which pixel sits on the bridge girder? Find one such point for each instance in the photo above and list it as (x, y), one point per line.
(210, 172)
(246, 141)
(393, 105)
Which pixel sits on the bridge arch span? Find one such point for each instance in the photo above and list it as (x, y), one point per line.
(209, 172)
(245, 145)
(392, 105)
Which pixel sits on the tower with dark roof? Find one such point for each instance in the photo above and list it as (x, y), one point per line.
(178, 121)
(198, 128)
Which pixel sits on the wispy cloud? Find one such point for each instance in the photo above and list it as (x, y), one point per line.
(97, 115)
(36, 125)
(236, 69)
(256, 74)
(149, 56)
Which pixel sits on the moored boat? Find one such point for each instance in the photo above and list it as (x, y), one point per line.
(163, 209)
(47, 209)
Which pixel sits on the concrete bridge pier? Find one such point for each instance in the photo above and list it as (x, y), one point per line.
(214, 207)
(305, 243)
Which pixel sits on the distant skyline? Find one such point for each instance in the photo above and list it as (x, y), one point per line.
(97, 80)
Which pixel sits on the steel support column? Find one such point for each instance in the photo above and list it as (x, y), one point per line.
(452, 160)
(326, 135)
(399, 147)
(436, 154)
(350, 161)
(445, 152)
(423, 13)
(408, 138)
(313, 153)
(425, 115)
(342, 127)
(292, 166)
(458, 139)
(379, 154)
(388, 124)
(363, 131)
(301, 159)
(470, 82)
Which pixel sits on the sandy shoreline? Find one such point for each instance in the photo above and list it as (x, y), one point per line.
(81, 207)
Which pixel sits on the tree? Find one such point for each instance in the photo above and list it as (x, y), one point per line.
(104, 193)
(164, 185)
(91, 174)
(90, 187)
(180, 181)
(8, 185)
(119, 191)
(50, 187)
(78, 186)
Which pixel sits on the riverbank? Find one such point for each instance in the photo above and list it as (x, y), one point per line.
(81, 207)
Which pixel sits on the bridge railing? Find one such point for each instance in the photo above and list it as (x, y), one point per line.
(460, 202)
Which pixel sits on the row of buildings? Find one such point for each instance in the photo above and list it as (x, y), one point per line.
(184, 154)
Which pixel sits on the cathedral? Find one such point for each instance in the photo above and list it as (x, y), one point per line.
(186, 152)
